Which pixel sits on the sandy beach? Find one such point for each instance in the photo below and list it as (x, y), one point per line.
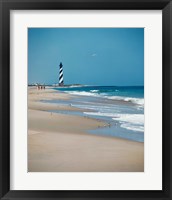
(60, 142)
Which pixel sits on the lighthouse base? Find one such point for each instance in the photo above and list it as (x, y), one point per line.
(61, 84)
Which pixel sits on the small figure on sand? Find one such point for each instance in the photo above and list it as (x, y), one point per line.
(40, 87)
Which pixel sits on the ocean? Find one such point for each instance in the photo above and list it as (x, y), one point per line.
(121, 107)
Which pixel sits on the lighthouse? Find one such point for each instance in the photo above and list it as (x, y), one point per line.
(61, 82)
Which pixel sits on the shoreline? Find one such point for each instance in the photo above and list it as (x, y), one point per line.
(54, 139)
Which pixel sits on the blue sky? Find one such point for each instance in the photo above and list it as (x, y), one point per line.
(91, 56)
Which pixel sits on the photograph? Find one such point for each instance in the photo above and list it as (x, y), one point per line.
(85, 103)
(85, 99)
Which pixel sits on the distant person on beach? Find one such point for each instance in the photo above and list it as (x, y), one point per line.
(40, 87)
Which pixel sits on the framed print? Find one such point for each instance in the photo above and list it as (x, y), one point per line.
(85, 99)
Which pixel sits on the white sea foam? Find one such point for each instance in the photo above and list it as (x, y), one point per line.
(94, 90)
(131, 121)
(132, 127)
(131, 118)
(82, 93)
(99, 109)
(138, 101)
(102, 114)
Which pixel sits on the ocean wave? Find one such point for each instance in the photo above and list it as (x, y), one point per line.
(133, 122)
(138, 101)
(82, 93)
(131, 118)
(132, 127)
(101, 114)
(94, 90)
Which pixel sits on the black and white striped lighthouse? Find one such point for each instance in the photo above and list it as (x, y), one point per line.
(61, 81)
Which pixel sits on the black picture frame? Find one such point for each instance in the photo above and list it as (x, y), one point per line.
(5, 7)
